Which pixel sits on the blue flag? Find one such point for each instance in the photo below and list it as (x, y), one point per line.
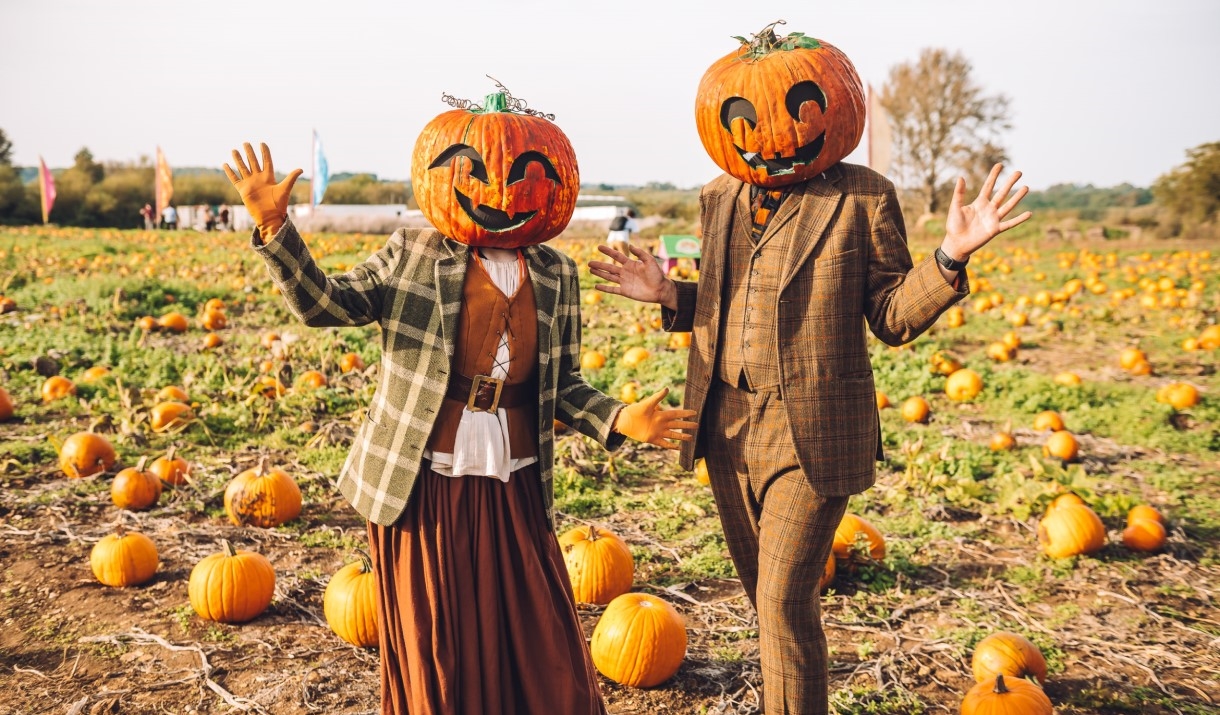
(321, 172)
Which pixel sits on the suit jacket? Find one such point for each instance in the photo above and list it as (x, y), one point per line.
(848, 262)
(412, 289)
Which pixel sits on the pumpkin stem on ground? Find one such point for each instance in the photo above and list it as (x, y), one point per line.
(1000, 688)
(141, 462)
(228, 549)
(366, 561)
(169, 455)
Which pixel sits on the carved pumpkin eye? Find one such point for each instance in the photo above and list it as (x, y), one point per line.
(801, 92)
(478, 170)
(521, 163)
(735, 108)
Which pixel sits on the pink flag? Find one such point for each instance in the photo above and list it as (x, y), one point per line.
(46, 188)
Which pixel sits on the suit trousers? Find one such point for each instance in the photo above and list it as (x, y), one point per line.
(779, 532)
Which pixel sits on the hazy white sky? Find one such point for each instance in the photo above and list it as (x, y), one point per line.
(1102, 91)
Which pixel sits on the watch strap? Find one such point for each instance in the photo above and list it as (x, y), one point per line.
(950, 264)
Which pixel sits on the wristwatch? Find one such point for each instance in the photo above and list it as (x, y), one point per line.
(950, 264)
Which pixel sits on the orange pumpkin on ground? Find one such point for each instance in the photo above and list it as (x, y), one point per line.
(350, 603)
(639, 641)
(1048, 420)
(634, 357)
(1002, 442)
(135, 489)
(600, 565)
(262, 497)
(916, 409)
(963, 385)
(592, 360)
(57, 387)
(1008, 654)
(174, 322)
(172, 393)
(95, 373)
(1143, 511)
(853, 527)
(169, 415)
(85, 454)
(231, 586)
(311, 380)
(212, 340)
(1006, 696)
(1062, 445)
(213, 320)
(1070, 530)
(124, 558)
(1144, 535)
(349, 362)
(170, 469)
(7, 408)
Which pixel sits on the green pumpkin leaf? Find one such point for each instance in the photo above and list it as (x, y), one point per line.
(741, 39)
(807, 43)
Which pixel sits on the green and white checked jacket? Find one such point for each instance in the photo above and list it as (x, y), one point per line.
(412, 288)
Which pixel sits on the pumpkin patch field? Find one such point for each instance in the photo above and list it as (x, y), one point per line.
(1045, 528)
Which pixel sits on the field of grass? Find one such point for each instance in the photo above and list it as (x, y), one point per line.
(1122, 631)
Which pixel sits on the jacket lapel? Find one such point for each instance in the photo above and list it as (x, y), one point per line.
(720, 210)
(817, 205)
(450, 277)
(546, 295)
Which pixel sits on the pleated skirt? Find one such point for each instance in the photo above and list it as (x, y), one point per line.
(475, 610)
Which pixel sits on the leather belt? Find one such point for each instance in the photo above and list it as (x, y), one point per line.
(487, 394)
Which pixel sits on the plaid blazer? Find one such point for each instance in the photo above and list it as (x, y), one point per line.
(848, 262)
(412, 289)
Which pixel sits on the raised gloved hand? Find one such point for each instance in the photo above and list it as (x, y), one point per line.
(266, 200)
(647, 421)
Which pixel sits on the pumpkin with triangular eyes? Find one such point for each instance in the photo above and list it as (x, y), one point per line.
(496, 175)
(780, 110)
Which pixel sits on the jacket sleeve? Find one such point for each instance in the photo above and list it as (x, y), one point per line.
(681, 320)
(901, 300)
(321, 301)
(577, 403)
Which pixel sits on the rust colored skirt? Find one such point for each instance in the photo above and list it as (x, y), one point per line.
(475, 609)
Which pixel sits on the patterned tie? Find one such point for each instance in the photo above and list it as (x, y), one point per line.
(764, 204)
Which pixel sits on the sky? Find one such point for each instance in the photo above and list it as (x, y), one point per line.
(1102, 91)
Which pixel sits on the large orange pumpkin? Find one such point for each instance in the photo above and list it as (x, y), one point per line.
(124, 558)
(600, 565)
(262, 497)
(350, 603)
(169, 415)
(1071, 529)
(1006, 696)
(57, 387)
(1010, 654)
(170, 469)
(639, 641)
(497, 175)
(85, 454)
(780, 110)
(231, 586)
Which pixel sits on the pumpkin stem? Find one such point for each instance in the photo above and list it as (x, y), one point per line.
(169, 455)
(1000, 688)
(262, 466)
(501, 101)
(119, 531)
(228, 549)
(765, 41)
(366, 562)
(495, 102)
(140, 463)
(593, 535)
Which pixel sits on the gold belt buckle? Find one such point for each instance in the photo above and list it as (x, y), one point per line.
(476, 384)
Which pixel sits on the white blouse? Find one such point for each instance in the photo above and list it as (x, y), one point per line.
(481, 445)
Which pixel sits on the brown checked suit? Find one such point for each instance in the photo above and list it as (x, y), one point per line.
(787, 406)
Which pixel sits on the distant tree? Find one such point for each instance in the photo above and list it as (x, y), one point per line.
(1192, 191)
(942, 124)
(6, 150)
(85, 164)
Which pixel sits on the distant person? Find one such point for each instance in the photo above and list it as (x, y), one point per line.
(169, 218)
(147, 214)
(223, 224)
(622, 229)
(207, 218)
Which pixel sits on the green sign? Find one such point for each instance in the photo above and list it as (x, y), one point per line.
(680, 246)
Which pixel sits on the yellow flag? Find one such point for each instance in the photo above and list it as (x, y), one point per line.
(163, 182)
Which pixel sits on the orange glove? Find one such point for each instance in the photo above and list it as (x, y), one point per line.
(266, 200)
(646, 421)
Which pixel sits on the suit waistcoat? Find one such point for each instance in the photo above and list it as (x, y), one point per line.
(748, 319)
(487, 314)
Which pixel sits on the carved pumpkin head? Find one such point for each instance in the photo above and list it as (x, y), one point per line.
(780, 110)
(499, 175)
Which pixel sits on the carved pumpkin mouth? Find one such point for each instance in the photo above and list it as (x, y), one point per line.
(780, 165)
(492, 219)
